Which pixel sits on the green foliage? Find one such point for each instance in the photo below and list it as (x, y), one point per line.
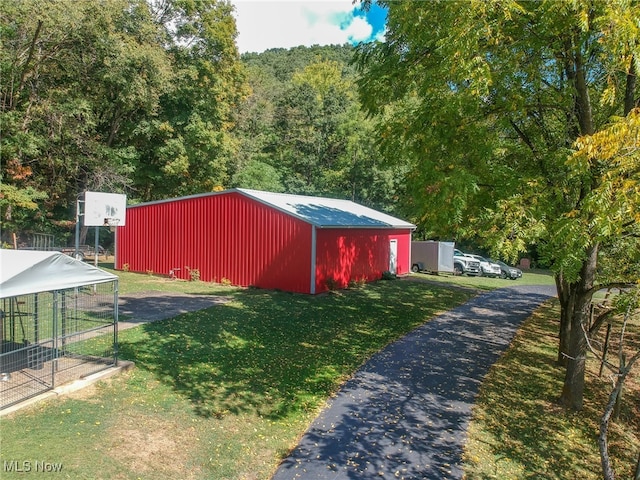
(474, 96)
(387, 275)
(78, 76)
(114, 96)
(188, 148)
(13, 197)
(304, 119)
(281, 64)
(258, 176)
(152, 99)
(487, 103)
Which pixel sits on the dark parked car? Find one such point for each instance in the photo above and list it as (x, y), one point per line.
(507, 271)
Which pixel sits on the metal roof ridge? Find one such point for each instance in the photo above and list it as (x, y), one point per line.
(261, 196)
(251, 194)
(258, 195)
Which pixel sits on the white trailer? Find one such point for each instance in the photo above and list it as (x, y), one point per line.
(431, 256)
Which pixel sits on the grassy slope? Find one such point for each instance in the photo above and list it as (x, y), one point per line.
(518, 430)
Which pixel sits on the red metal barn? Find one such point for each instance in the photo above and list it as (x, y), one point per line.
(268, 240)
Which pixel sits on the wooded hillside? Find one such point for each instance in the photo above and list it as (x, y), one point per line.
(154, 100)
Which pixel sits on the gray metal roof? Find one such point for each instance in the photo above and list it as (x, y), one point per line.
(319, 211)
(327, 212)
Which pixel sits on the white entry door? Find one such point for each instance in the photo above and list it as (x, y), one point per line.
(393, 256)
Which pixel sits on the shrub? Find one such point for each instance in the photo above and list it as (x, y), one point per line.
(357, 282)
(194, 274)
(387, 275)
(331, 283)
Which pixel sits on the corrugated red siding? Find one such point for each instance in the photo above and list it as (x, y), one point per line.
(224, 236)
(404, 250)
(353, 254)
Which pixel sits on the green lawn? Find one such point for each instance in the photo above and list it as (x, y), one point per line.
(529, 277)
(223, 393)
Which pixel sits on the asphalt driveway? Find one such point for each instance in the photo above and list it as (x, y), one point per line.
(138, 308)
(405, 414)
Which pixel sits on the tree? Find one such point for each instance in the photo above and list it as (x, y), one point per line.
(259, 176)
(17, 200)
(254, 124)
(360, 172)
(77, 77)
(281, 64)
(626, 305)
(303, 118)
(307, 120)
(119, 96)
(188, 147)
(485, 102)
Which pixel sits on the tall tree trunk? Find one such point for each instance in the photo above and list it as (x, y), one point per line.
(573, 389)
(566, 312)
(27, 65)
(608, 415)
(580, 292)
(582, 100)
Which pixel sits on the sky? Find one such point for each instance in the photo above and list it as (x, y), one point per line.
(264, 24)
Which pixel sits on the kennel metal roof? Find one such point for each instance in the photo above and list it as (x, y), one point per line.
(23, 272)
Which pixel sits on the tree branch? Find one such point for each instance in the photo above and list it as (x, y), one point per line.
(607, 468)
(600, 320)
(630, 89)
(23, 74)
(620, 372)
(523, 136)
(619, 285)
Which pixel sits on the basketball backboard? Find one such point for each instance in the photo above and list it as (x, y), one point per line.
(100, 207)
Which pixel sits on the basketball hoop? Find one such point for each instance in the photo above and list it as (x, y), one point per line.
(112, 223)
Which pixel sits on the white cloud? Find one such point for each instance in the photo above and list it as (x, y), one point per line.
(264, 24)
(359, 30)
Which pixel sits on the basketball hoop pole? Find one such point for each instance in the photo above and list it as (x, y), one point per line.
(95, 247)
(77, 246)
(112, 223)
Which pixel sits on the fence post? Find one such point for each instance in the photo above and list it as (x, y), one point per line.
(54, 362)
(605, 349)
